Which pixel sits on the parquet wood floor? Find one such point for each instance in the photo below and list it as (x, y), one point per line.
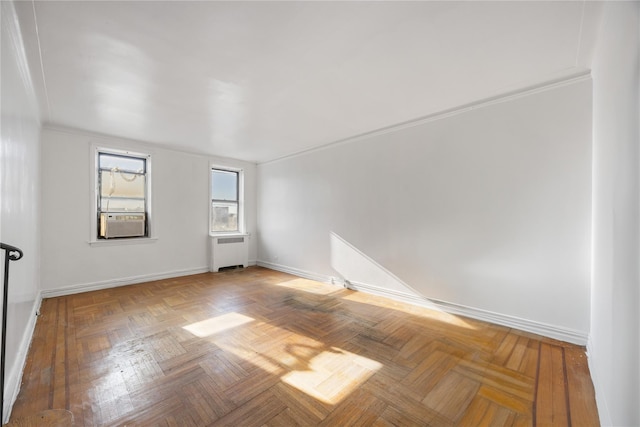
(258, 347)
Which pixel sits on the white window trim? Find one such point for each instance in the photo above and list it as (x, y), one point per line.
(93, 162)
(241, 215)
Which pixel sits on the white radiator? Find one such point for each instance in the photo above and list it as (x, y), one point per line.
(229, 251)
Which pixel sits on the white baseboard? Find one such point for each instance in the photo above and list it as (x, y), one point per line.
(539, 328)
(601, 402)
(113, 283)
(295, 271)
(14, 375)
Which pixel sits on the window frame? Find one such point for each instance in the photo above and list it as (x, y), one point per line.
(150, 233)
(240, 196)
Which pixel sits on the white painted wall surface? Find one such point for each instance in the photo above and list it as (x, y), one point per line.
(19, 197)
(489, 209)
(180, 198)
(614, 348)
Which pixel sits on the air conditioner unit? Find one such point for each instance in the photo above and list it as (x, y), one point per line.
(122, 225)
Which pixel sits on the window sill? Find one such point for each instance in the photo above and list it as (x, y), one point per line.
(233, 234)
(123, 242)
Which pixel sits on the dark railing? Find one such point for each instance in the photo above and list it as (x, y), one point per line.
(12, 254)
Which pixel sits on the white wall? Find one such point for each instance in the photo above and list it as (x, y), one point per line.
(180, 194)
(614, 348)
(19, 196)
(488, 209)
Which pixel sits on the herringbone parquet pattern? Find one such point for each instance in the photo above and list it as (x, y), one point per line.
(256, 347)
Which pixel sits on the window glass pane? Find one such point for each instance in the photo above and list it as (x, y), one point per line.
(130, 164)
(116, 204)
(224, 185)
(224, 216)
(121, 184)
(122, 191)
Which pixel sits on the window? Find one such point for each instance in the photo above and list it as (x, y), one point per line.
(226, 209)
(123, 195)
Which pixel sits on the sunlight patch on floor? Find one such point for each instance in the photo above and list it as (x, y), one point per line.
(332, 375)
(292, 352)
(435, 312)
(327, 374)
(309, 286)
(263, 362)
(450, 319)
(217, 324)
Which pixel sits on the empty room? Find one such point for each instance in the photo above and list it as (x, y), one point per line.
(378, 213)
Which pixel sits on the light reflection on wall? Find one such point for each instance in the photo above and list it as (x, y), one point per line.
(355, 266)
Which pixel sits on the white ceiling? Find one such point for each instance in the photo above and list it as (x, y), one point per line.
(261, 80)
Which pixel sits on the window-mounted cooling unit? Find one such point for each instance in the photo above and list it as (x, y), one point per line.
(122, 225)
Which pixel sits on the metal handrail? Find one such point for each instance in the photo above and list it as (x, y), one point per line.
(10, 249)
(12, 254)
